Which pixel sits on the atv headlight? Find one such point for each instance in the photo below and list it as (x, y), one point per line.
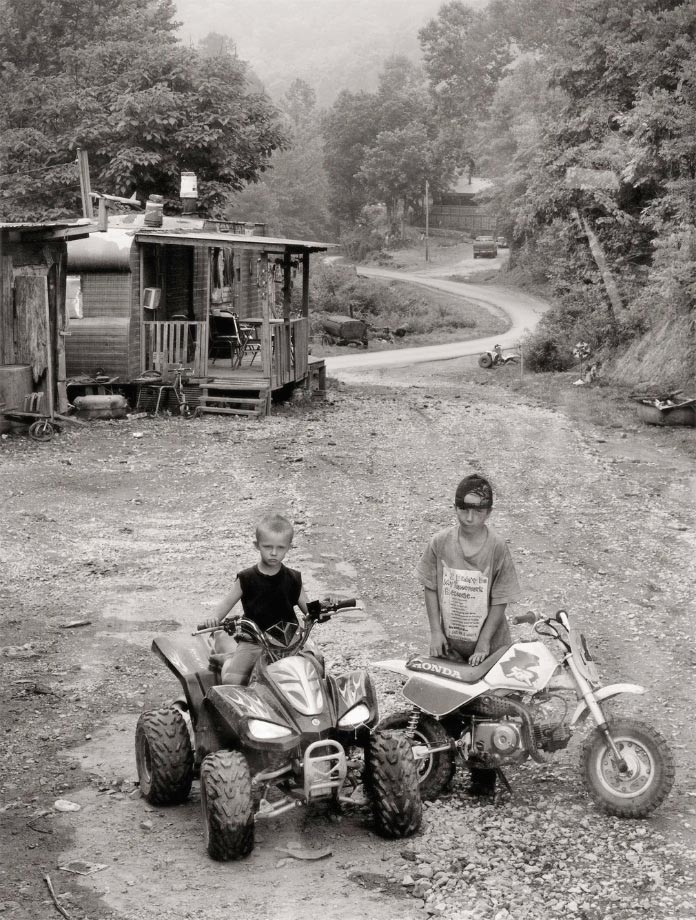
(355, 717)
(265, 731)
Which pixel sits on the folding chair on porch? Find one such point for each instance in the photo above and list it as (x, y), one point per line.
(225, 339)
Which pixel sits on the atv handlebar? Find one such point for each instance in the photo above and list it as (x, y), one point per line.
(317, 612)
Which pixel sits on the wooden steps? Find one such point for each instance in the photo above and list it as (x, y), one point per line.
(231, 398)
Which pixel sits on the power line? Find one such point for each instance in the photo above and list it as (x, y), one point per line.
(31, 172)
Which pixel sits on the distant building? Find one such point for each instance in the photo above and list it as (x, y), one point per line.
(465, 207)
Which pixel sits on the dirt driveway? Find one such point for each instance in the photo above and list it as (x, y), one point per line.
(138, 527)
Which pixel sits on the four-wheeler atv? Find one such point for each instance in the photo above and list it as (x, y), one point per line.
(294, 735)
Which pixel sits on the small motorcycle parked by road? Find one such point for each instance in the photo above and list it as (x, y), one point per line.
(294, 735)
(496, 358)
(522, 702)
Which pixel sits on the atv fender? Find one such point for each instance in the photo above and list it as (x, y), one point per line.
(188, 660)
(606, 693)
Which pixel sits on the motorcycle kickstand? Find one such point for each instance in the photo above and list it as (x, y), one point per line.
(503, 779)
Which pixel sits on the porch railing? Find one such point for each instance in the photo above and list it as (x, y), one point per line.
(173, 343)
(289, 351)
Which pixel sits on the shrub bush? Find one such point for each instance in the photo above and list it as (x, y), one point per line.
(543, 353)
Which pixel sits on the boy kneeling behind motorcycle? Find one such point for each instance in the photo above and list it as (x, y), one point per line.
(469, 578)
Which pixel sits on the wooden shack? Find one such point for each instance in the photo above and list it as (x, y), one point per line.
(33, 316)
(153, 287)
(464, 207)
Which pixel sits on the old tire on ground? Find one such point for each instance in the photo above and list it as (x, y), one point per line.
(435, 771)
(485, 360)
(163, 756)
(393, 785)
(228, 806)
(650, 775)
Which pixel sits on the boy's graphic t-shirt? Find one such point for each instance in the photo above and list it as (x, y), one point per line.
(467, 586)
(463, 602)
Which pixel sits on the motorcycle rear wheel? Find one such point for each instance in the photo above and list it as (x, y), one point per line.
(392, 785)
(650, 775)
(228, 805)
(435, 772)
(163, 756)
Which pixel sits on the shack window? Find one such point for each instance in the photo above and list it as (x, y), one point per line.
(73, 296)
(221, 275)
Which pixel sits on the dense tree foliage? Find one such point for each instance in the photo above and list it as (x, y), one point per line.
(382, 146)
(584, 113)
(291, 198)
(110, 77)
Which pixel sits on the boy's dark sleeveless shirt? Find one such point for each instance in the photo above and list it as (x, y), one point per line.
(270, 599)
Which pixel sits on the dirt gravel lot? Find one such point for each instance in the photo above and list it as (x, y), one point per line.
(138, 527)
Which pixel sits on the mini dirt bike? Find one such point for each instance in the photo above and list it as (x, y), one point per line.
(523, 702)
(293, 736)
(496, 358)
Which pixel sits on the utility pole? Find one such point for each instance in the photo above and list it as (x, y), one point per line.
(427, 218)
(85, 188)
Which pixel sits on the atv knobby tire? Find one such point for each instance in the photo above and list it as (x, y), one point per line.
(163, 756)
(485, 361)
(650, 775)
(228, 806)
(435, 772)
(392, 784)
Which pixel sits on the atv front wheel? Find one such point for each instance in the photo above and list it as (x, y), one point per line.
(646, 783)
(485, 361)
(393, 785)
(163, 756)
(435, 771)
(228, 806)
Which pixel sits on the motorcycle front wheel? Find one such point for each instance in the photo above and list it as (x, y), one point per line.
(648, 780)
(435, 771)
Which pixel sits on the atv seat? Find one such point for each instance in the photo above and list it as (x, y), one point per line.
(454, 670)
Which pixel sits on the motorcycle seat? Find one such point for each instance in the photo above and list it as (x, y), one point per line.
(454, 670)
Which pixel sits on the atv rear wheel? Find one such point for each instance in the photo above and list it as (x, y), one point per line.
(650, 774)
(435, 771)
(485, 360)
(163, 756)
(392, 785)
(228, 806)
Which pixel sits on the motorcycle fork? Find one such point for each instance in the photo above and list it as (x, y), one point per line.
(597, 714)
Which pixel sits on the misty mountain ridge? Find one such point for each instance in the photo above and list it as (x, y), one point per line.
(331, 44)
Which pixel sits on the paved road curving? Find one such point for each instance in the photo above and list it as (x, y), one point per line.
(523, 311)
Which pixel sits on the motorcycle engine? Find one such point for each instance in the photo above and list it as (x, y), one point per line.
(500, 739)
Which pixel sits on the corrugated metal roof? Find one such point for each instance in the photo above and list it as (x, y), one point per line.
(189, 237)
(44, 224)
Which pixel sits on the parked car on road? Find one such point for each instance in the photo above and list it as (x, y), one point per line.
(485, 247)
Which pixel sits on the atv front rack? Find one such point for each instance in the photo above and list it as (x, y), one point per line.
(324, 768)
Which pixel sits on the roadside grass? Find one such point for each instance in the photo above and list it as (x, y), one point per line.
(433, 318)
(602, 404)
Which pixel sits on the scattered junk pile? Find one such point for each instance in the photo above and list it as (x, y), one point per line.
(672, 408)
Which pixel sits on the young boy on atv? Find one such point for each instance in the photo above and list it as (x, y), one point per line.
(469, 578)
(269, 592)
